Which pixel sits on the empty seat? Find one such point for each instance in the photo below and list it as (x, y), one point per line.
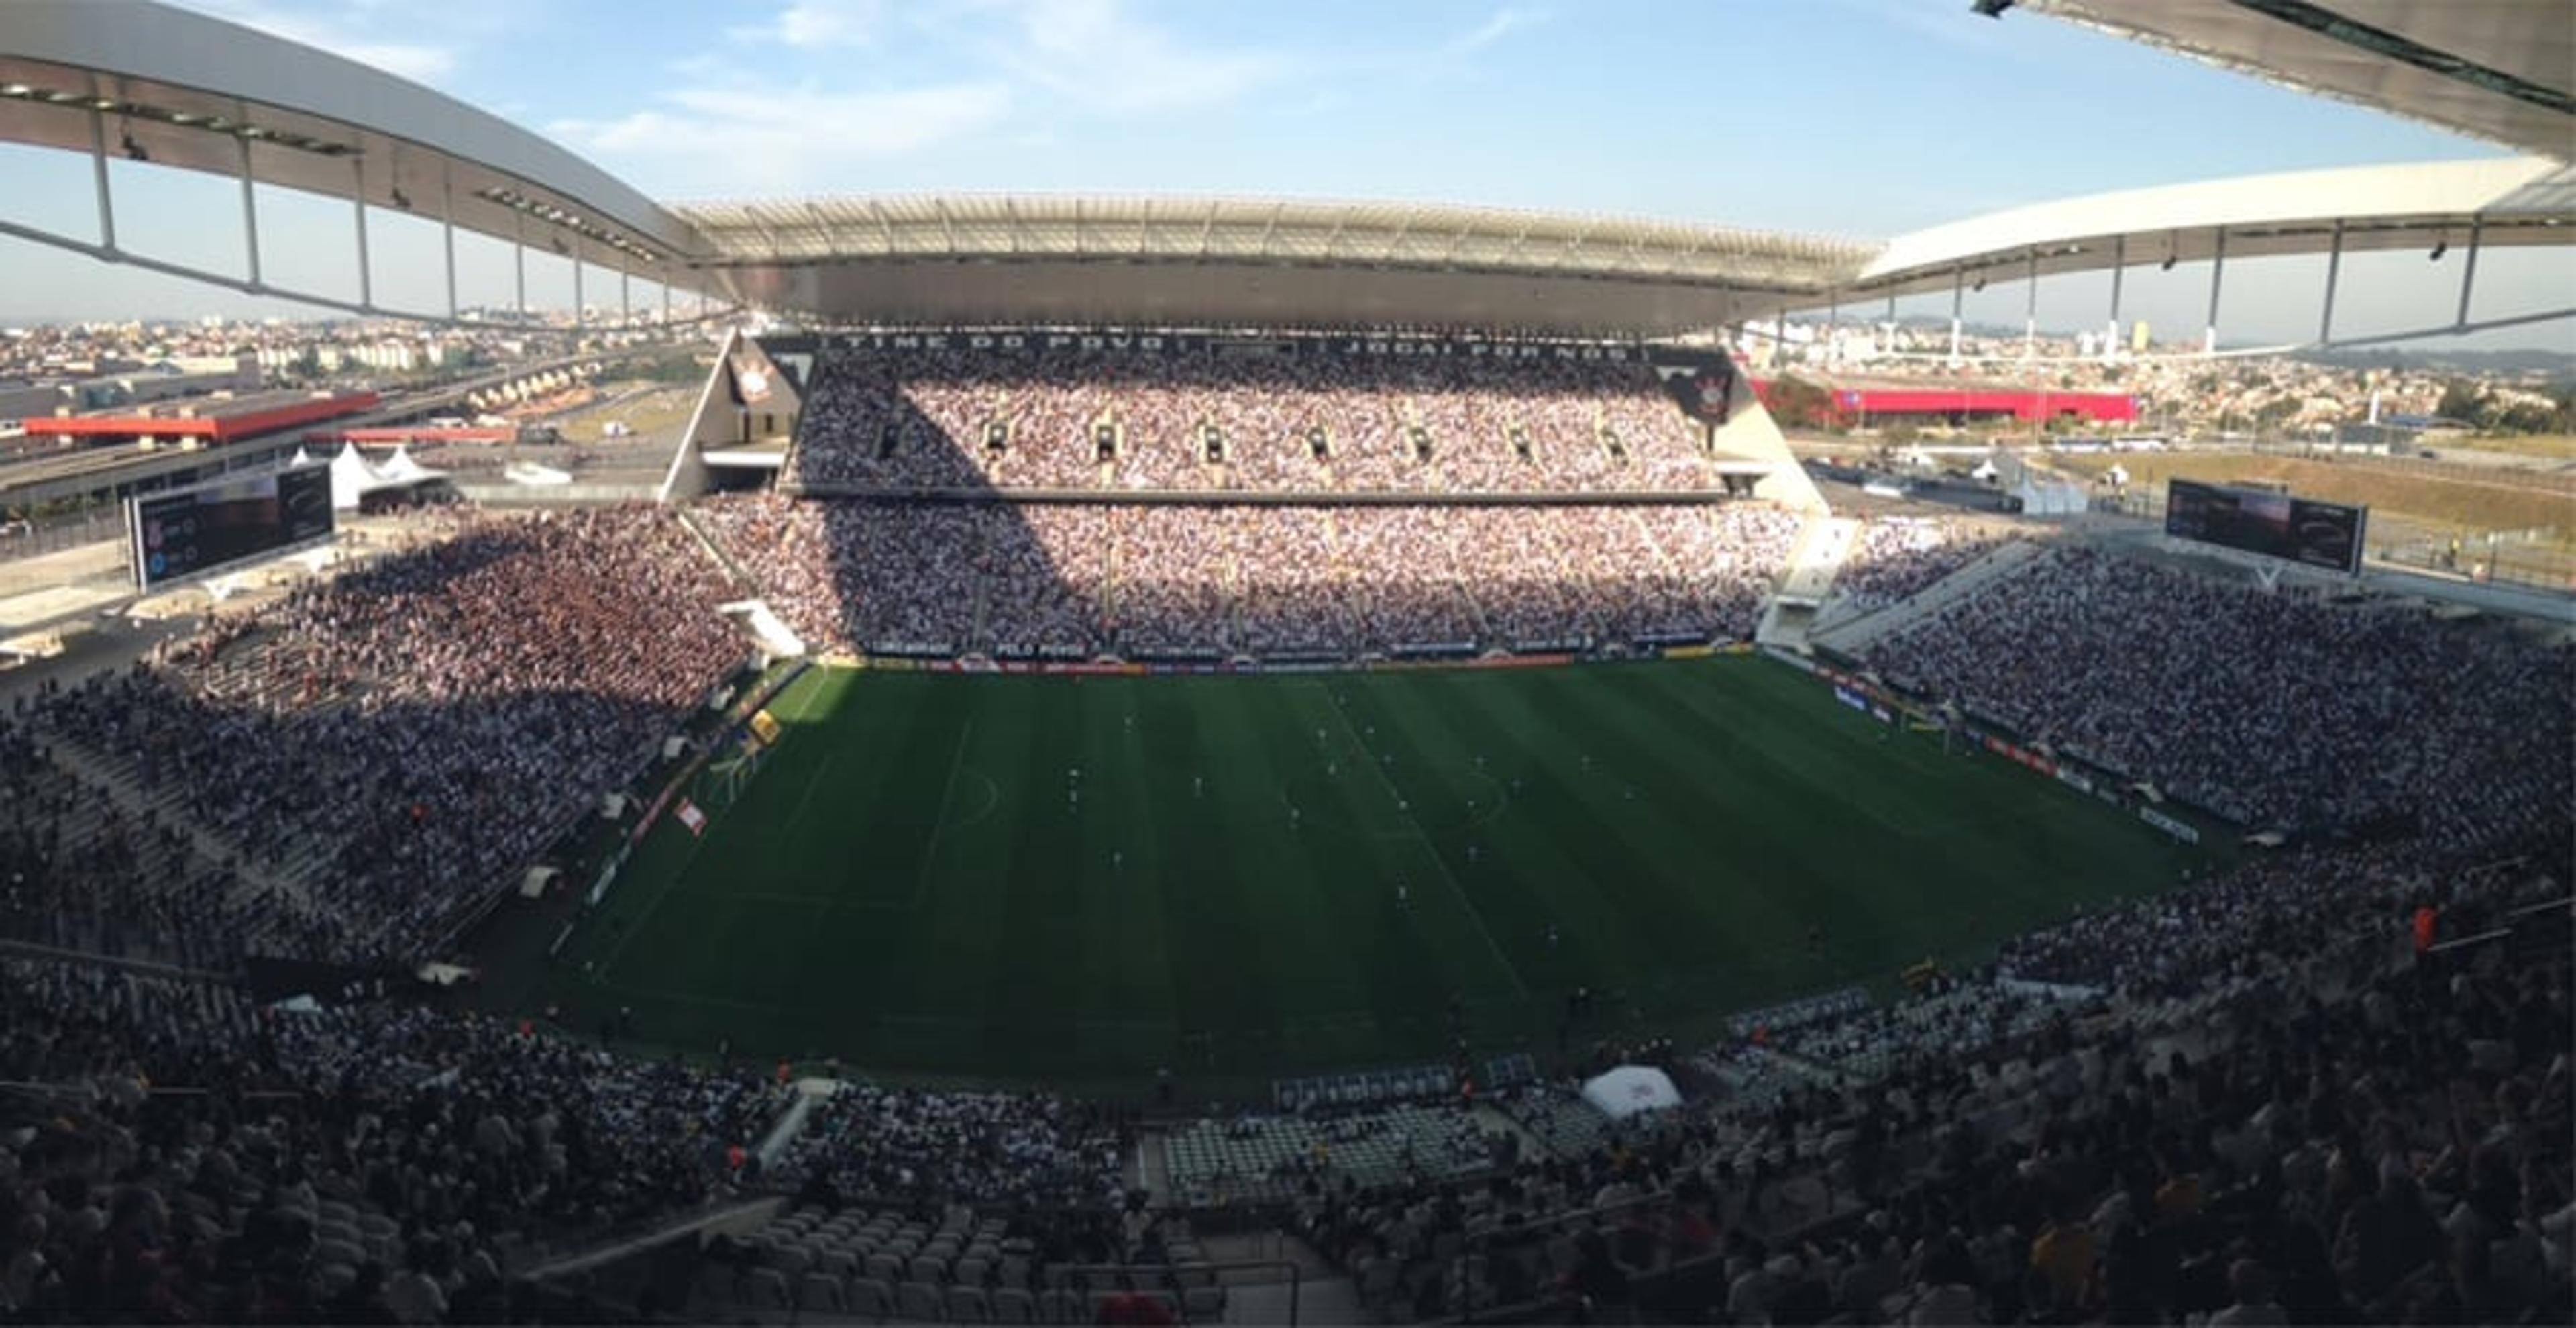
(1204, 1304)
(769, 1289)
(970, 1270)
(917, 1300)
(967, 1304)
(871, 1297)
(1013, 1305)
(820, 1293)
(884, 1267)
(718, 1280)
(928, 1268)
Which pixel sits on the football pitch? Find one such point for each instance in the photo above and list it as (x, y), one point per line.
(1080, 881)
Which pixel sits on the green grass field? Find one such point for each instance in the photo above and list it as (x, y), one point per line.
(1042, 879)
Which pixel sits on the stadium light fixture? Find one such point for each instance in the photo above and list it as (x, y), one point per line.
(14, 89)
(133, 147)
(2441, 246)
(1989, 8)
(2168, 264)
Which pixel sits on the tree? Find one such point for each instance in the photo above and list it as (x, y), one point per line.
(1796, 403)
(2462, 400)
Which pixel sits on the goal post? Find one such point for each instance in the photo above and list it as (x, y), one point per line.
(724, 780)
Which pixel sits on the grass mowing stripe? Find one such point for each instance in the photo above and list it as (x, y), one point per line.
(1431, 851)
(1523, 872)
(980, 928)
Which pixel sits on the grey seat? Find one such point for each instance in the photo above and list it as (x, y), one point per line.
(820, 1293)
(918, 1300)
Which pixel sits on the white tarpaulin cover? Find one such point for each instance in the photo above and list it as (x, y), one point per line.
(1628, 1089)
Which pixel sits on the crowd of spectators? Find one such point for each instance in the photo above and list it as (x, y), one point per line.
(172, 1152)
(1087, 420)
(1897, 558)
(396, 743)
(1079, 579)
(2289, 708)
(2325, 1130)
(2247, 1100)
(1029, 1151)
(80, 872)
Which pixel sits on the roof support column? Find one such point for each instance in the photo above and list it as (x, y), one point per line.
(519, 256)
(447, 219)
(2030, 311)
(580, 311)
(2119, 269)
(1833, 316)
(250, 218)
(98, 172)
(2334, 268)
(358, 211)
(666, 297)
(2217, 270)
(1958, 295)
(2469, 277)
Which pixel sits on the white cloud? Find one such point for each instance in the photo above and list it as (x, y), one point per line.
(346, 32)
(819, 24)
(1100, 56)
(1504, 23)
(766, 140)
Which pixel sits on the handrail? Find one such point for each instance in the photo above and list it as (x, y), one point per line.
(1133, 1272)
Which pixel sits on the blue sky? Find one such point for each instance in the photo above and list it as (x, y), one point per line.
(1852, 117)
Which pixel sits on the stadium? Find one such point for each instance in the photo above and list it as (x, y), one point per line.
(1199, 759)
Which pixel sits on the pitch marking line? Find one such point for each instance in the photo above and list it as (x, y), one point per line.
(939, 824)
(1416, 834)
(806, 799)
(608, 962)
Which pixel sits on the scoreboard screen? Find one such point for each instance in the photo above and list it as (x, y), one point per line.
(2300, 530)
(211, 527)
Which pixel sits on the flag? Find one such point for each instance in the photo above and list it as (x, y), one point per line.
(691, 817)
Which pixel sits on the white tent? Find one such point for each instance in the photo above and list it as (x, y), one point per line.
(1626, 1090)
(353, 477)
(401, 469)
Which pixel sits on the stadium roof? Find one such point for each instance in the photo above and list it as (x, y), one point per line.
(2508, 201)
(179, 89)
(182, 90)
(2503, 70)
(1251, 261)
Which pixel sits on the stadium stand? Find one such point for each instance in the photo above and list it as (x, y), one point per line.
(2245, 1100)
(1158, 579)
(2285, 708)
(455, 697)
(951, 419)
